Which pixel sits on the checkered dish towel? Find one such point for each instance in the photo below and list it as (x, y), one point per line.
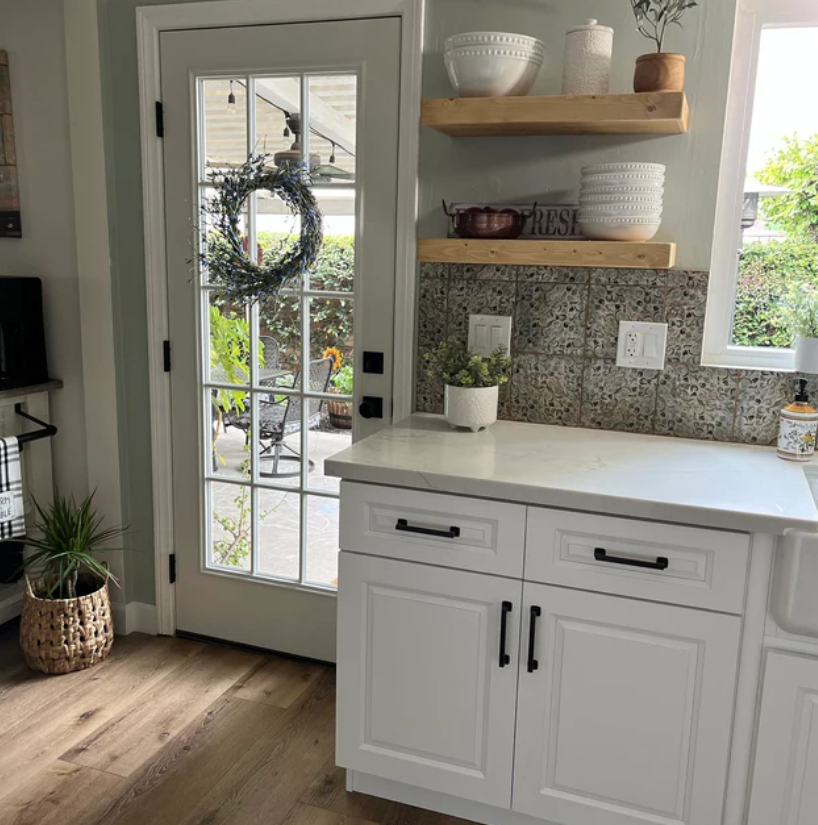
(12, 507)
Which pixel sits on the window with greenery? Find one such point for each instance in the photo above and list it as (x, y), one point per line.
(766, 245)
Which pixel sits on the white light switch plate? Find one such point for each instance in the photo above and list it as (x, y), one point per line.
(487, 332)
(641, 345)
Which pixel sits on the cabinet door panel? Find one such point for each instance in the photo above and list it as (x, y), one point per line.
(627, 696)
(785, 780)
(422, 698)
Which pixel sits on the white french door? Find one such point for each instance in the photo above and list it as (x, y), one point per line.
(262, 393)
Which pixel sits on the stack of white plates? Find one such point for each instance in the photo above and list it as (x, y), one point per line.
(493, 64)
(621, 201)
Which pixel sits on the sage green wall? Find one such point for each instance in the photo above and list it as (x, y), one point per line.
(467, 169)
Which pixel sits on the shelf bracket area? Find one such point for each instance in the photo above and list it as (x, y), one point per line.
(47, 431)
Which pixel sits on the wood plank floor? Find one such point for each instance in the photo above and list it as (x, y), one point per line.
(175, 732)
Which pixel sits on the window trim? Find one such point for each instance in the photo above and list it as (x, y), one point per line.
(752, 16)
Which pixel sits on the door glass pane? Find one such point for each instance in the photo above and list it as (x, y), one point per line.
(228, 329)
(231, 416)
(277, 98)
(335, 268)
(231, 525)
(208, 233)
(224, 111)
(280, 340)
(279, 533)
(333, 124)
(322, 540)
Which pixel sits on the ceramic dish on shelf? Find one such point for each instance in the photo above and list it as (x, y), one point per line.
(488, 72)
(645, 179)
(622, 191)
(623, 168)
(619, 211)
(619, 229)
(498, 39)
(647, 200)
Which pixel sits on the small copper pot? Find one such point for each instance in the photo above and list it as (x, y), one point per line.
(493, 224)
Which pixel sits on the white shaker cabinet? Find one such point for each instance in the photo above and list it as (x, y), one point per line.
(785, 781)
(422, 696)
(617, 700)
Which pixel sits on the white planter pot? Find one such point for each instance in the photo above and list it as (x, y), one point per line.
(806, 354)
(471, 407)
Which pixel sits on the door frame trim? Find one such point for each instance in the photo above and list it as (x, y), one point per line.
(150, 22)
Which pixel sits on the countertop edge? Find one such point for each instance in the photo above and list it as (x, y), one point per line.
(569, 499)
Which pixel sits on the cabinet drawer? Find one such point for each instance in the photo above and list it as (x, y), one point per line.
(433, 528)
(687, 565)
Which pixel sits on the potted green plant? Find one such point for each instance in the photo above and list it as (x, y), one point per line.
(800, 317)
(342, 383)
(66, 623)
(659, 71)
(472, 383)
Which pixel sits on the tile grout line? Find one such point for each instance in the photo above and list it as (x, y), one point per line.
(655, 414)
(584, 361)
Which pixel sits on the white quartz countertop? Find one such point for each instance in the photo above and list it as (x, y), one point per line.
(730, 486)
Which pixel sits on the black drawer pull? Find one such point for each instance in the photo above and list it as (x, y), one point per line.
(661, 562)
(404, 526)
(536, 612)
(505, 609)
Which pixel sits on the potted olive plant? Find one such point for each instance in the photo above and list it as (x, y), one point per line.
(472, 383)
(66, 623)
(800, 315)
(341, 383)
(659, 71)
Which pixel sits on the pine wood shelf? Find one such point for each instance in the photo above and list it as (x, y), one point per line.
(664, 113)
(605, 254)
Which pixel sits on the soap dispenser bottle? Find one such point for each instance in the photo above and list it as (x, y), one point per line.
(799, 427)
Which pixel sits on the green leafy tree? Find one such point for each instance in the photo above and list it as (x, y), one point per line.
(795, 166)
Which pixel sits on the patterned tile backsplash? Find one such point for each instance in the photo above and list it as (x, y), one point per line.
(566, 323)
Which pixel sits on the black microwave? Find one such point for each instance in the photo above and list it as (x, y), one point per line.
(23, 361)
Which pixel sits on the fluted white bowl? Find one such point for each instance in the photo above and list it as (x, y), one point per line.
(619, 211)
(623, 168)
(645, 179)
(618, 197)
(619, 229)
(622, 191)
(498, 39)
(484, 72)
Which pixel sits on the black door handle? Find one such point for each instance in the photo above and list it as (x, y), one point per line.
(371, 406)
(601, 554)
(505, 609)
(404, 526)
(536, 612)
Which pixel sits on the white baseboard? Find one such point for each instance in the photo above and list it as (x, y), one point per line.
(134, 617)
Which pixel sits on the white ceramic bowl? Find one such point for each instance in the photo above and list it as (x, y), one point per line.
(652, 199)
(651, 192)
(620, 168)
(619, 229)
(489, 73)
(499, 39)
(621, 180)
(617, 211)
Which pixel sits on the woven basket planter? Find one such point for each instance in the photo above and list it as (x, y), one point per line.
(64, 635)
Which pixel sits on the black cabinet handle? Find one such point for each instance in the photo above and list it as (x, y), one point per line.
(536, 612)
(661, 562)
(505, 609)
(404, 526)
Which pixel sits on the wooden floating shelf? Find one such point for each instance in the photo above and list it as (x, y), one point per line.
(663, 113)
(610, 254)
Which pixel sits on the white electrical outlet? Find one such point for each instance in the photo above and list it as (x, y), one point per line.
(641, 345)
(487, 332)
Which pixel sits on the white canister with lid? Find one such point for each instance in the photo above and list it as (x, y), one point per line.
(587, 63)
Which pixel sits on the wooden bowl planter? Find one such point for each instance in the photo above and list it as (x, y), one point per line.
(340, 414)
(64, 635)
(659, 72)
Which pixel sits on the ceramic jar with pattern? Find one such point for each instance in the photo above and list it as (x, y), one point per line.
(587, 62)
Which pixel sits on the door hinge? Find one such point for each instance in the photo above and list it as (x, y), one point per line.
(166, 355)
(172, 568)
(160, 119)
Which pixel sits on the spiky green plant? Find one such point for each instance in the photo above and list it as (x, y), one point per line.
(71, 535)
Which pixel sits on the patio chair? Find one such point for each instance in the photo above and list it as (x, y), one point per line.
(280, 418)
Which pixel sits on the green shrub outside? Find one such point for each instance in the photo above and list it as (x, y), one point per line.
(767, 272)
(332, 318)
